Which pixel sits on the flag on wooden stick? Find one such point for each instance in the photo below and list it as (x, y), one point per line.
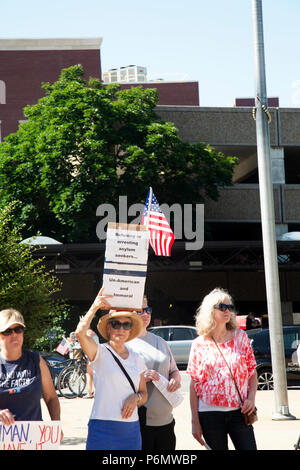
(161, 236)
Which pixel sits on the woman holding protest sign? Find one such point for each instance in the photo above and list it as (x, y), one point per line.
(24, 375)
(114, 423)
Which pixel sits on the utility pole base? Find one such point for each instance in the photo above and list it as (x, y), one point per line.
(282, 416)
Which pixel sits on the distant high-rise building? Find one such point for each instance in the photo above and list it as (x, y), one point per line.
(131, 73)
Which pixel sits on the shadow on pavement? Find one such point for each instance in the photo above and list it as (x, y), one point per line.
(73, 441)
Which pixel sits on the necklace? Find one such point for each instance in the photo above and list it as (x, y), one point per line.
(223, 337)
(124, 354)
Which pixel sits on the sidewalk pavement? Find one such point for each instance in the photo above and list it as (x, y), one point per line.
(270, 434)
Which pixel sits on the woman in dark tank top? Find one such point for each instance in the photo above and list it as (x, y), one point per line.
(24, 375)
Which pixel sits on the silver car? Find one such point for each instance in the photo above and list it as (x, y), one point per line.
(179, 338)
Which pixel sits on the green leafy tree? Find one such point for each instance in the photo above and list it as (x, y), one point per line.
(27, 286)
(86, 144)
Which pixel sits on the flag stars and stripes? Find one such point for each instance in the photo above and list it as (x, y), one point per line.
(161, 235)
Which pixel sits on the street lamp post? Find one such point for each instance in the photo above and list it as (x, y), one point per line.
(268, 221)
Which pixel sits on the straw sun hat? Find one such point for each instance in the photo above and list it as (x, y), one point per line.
(137, 323)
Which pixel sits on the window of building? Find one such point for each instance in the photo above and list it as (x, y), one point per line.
(2, 92)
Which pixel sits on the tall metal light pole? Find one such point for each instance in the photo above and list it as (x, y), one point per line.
(268, 221)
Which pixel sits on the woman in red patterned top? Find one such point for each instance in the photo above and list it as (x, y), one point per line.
(217, 411)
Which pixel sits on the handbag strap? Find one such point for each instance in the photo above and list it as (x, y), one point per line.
(229, 369)
(121, 366)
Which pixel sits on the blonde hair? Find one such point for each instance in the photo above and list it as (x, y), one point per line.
(205, 322)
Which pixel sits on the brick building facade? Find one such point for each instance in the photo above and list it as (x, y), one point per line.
(26, 63)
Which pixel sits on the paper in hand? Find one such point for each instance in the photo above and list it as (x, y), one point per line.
(174, 398)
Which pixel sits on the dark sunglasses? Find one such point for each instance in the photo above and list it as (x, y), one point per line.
(16, 329)
(224, 307)
(146, 310)
(117, 325)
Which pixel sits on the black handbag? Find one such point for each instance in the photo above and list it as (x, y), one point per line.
(142, 410)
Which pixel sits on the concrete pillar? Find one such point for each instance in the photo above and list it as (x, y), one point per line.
(287, 313)
(278, 177)
(277, 165)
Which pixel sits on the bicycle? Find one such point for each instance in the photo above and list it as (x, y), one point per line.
(71, 381)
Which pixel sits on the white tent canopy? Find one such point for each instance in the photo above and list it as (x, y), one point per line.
(289, 236)
(38, 240)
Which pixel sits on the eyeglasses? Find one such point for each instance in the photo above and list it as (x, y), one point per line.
(117, 325)
(224, 307)
(16, 329)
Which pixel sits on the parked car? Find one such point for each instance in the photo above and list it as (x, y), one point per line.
(179, 338)
(260, 341)
(56, 362)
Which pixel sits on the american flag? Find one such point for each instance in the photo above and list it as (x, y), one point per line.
(63, 347)
(161, 235)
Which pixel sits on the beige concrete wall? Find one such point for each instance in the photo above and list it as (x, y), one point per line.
(291, 203)
(241, 203)
(233, 131)
(218, 126)
(289, 126)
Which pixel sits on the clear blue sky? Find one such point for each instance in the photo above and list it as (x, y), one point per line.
(209, 41)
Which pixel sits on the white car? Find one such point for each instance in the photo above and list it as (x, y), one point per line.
(179, 338)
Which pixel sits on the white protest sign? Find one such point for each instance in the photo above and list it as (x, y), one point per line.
(30, 435)
(125, 265)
